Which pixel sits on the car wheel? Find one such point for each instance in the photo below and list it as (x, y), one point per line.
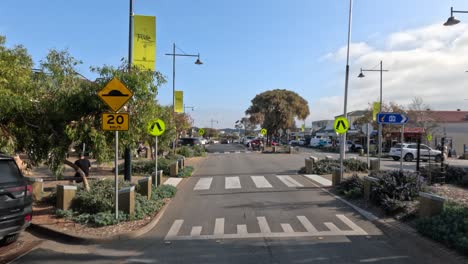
(396, 158)
(438, 158)
(9, 239)
(409, 157)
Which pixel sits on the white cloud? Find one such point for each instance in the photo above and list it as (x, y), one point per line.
(355, 50)
(427, 62)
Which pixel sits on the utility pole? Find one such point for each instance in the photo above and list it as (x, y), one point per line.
(212, 121)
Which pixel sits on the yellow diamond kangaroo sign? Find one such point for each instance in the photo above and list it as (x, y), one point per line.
(115, 94)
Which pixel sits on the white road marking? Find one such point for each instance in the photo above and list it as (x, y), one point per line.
(351, 224)
(232, 183)
(241, 229)
(323, 181)
(248, 152)
(203, 184)
(196, 231)
(173, 181)
(215, 152)
(174, 228)
(287, 228)
(265, 231)
(219, 227)
(263, 224)
(237, 152)
(306, 223)
(261, 182)
(226, 152)
(290, 182)
(332, 227)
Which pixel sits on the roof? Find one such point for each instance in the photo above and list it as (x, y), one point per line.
(446, 116)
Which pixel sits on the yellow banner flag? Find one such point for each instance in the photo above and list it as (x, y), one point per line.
(144, 42)
(179, 102)
(376, 110)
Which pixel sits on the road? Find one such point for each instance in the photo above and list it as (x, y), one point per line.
(225, 148)
(249, 208)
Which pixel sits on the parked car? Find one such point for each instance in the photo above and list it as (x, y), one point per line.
(410, 152)
(15, 201)
(353, 146)
(189, 141)
(203, 141)
(224, 141)
(247, 139)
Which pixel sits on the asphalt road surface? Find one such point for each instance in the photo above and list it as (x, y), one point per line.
(250, 208)
(225, 148)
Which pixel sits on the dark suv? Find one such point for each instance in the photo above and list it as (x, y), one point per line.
(189, 141)
(15, 201)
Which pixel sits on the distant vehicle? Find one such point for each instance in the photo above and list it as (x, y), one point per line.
(203, 141)
(353, 146)
(410, 152)
(189, 142)
(247, 139)
(214, 141)
(15, 201)
(320, 142)
(224, 141)
(274, 143)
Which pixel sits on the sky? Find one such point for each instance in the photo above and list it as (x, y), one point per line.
(251, 46)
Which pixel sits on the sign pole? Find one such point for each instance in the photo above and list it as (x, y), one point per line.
(401, 147)
(156, 160)
(368, 145)
(116, 161)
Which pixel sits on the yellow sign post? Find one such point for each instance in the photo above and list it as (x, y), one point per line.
(156, 127)
(115, 121)
(341, 125)
(115, 94)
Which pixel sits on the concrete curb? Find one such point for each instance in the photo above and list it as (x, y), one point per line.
(393, 228)
(50, 232)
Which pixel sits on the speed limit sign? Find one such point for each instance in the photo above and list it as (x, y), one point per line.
(115, 121)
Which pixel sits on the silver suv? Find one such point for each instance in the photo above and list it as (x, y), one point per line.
(410, 152)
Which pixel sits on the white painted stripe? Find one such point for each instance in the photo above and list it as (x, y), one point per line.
(174, 230)
(332, 227)
(219, 226)
(241, 229)
(263, 224)
(232, 183)
(215, 152)
(290, 182)
(287, 228)
(237, 152)
(323, 181)
(173, 181)
(226, 152)
(307, 224)
(264, 235)
(351, 224)
(196, 231)
(261, 182)
(248, 152)
(203, 184)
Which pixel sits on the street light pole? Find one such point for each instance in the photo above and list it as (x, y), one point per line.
(345, 112)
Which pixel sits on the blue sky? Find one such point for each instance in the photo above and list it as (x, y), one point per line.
(247, 46)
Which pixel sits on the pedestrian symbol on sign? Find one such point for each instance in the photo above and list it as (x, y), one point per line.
(341, 125)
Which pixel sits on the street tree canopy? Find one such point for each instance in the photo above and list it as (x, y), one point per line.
(277, 109)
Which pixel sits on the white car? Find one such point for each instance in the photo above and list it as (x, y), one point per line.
(410, 152)
(203, 141)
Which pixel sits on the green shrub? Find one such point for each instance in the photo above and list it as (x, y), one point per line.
(450, 227)
(393, 187)
(185, 172)
(351, 188)
(146, 167)
(452, 174)
(327, 166)
(64, 213)
(199, 151)
(185, 151)
(163, 191)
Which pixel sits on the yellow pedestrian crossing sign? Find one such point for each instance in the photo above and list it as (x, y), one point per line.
(263, 131)
(201, 131)
(341, 125)
(156, 127)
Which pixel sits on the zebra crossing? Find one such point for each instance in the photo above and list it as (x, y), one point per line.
(218, 231)
(260, 182)
(233, 152)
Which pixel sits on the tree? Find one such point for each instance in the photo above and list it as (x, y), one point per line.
(248, 126)
(368, 118)
(277, 109)
(48, 110)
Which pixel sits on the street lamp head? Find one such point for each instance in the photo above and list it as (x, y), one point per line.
(198, 61)
(361, 75)
(451, 21)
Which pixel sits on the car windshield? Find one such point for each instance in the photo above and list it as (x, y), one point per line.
(234, 131)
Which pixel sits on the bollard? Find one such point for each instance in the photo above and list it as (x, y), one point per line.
(37, 187)
(144, 187)
(291, 150)
(336, 177)
(309, 165)
(274, 149)
(156, 178)
(127, 200)
(328, 157)
(374, 165)
(368, 181)
(183, 162)
(174, 169)
(361, 152)
(65, 195)
(179, 164)
(430, 204)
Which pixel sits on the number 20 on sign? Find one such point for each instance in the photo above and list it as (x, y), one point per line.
(115, 121)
